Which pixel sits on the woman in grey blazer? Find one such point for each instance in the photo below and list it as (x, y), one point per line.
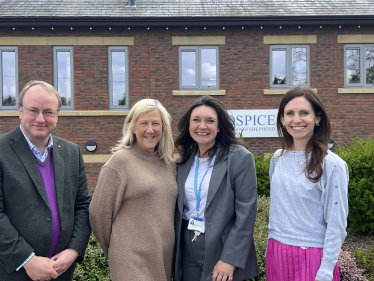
(216, 207)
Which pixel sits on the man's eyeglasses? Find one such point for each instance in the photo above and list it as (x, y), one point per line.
(35, 112)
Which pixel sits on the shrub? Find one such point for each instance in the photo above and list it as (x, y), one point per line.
(93, 267)
(365, 260)
(262, 164)
(260, 235)
(348, 269)
(262, 170)
(359, 156)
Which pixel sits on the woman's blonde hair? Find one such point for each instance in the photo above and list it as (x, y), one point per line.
(165, 147)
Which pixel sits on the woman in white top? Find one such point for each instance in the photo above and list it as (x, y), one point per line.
(217, 195)
(308, 194)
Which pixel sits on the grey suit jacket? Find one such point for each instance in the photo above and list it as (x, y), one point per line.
(230, 214)
(25, 216)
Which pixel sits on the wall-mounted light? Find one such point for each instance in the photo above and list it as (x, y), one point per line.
(358, 26)
(204, 27)
(331, 143)
(167, 28)
(32, 28)
(110, 28)
(52, 28)
(71, 27)
(340, 26)
(14, 28)
(91, 146)
(299, 26)
(223, 27)
(262, 27)
(148, 28)
(90, 27)
(185, 28)
(320, 26)
(128, 28)
(242, 27)
(280, 27)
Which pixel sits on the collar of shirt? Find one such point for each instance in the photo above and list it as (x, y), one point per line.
(34, 149)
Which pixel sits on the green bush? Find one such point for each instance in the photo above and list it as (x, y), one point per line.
(365, 260)
(262, 163)
(348, 269)
(260, 235)
(262, 170)
(93, 267)
(359, 156)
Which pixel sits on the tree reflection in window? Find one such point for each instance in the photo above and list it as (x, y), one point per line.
(299, 65)
(353, 65)
(8, 65)
(370, 65)
(289, 66)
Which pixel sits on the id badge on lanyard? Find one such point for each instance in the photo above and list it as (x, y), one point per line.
(196, 224)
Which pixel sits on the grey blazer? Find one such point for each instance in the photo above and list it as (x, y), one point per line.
(230, 214)
(25, 216)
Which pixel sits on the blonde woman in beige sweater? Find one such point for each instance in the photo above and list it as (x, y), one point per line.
(132, 210)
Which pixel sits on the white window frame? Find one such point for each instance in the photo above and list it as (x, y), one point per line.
(112, 49)
(70, 49)
(362, 84)
(288, 49)
(15, 49)
(197, 50)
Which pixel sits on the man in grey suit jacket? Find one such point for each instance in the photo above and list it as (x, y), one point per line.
(44, 197)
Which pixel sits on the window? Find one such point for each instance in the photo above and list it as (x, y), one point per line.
(359, 65)
(198, 68)
(118, 77)
(289, 66)
(63, 74)
(9, 77)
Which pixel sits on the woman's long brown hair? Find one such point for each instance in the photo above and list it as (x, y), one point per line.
(318, 143)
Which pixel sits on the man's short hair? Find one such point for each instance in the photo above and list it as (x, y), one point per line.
(45, 85)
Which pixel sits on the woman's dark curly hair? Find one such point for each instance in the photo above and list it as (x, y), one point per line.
(318, 143)
(226, 136)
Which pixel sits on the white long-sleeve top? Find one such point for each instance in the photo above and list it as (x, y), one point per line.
(190, 201)
(307, 214)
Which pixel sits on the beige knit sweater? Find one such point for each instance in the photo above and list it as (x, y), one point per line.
(132, 215)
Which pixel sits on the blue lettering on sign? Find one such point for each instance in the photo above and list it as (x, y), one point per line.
(253, 120)
(258, 120)
(247, 119)
(271, 120)
(239, 118)
(254, 129)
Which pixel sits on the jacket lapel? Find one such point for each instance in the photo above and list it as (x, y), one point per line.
(25, 155)
(59, 171)
(218, 173)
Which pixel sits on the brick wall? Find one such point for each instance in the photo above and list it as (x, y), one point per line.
(153, 66)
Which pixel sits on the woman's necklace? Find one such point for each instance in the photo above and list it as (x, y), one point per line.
(299, 160)
(300, 163)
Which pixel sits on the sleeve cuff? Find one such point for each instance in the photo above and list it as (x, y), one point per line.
(325, 272)
(30, 256)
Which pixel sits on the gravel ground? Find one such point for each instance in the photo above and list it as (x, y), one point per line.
(357, 241)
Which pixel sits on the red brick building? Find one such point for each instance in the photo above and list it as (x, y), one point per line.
(104, 56)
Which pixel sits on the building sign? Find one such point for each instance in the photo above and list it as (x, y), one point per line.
(260, 123)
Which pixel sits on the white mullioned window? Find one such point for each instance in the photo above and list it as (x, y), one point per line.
(289, 66)
(9, 77)
(198, 67)
(359, 65)
(118, 77)
(63, 74)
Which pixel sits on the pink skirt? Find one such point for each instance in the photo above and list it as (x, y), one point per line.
(291, 263)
